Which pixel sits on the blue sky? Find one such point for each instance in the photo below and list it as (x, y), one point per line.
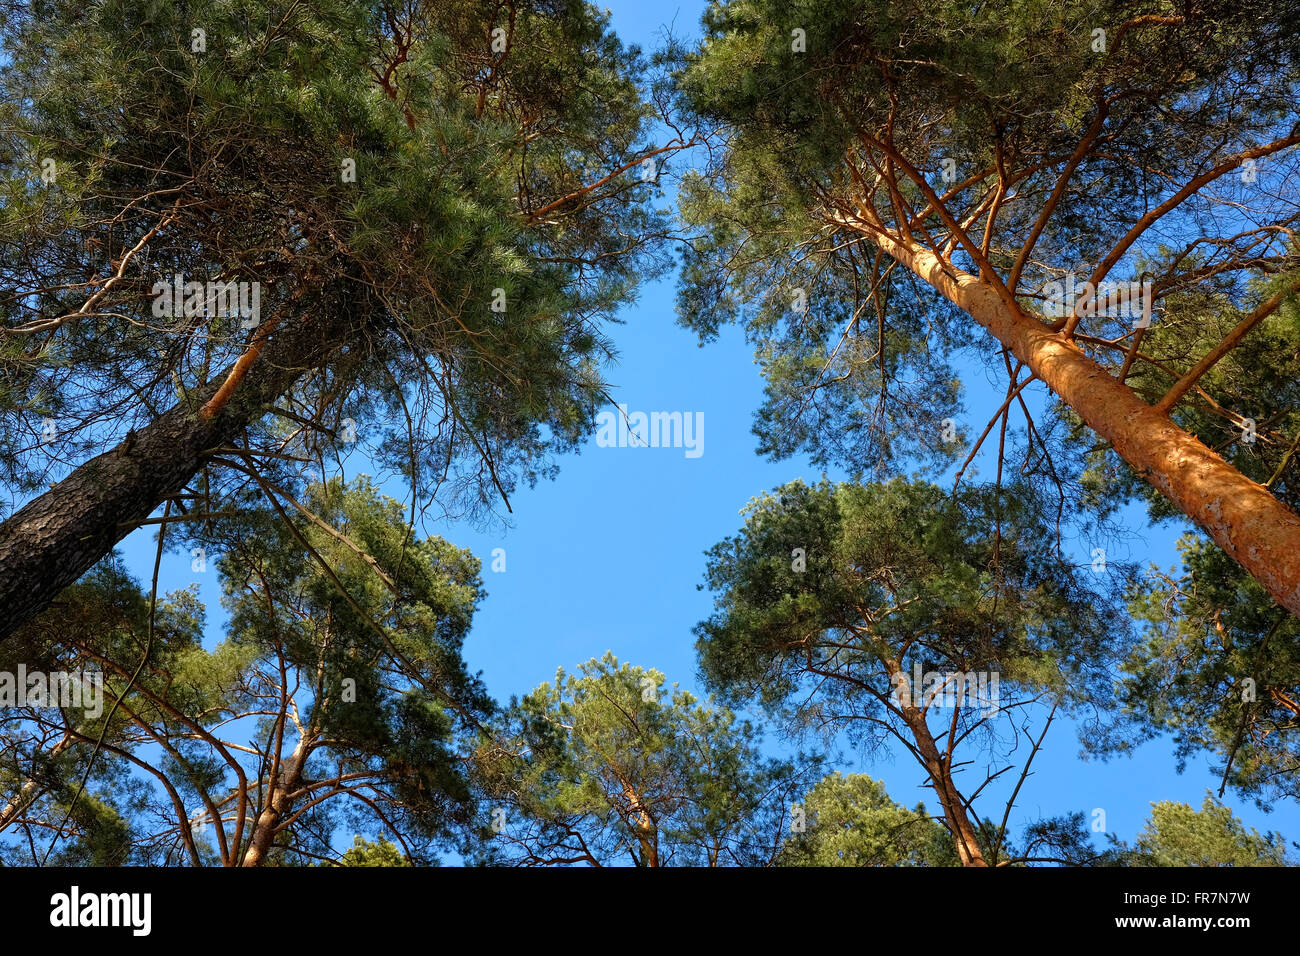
(609, 555)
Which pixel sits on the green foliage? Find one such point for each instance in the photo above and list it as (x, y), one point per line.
(832, 598)
(103, 834)
(238, 149)
(1218, 668)
(1179, 835)
(849, 381)
(843, 119)
(372, 853)
(609, 767)
(960, 583)
(40, 770)
(863, 377)
(341, 666)
(851, 821)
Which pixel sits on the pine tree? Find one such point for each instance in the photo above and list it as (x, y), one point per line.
(908, 179)
(338, 697)
(440, 205)
(898, 611)
(610, 767)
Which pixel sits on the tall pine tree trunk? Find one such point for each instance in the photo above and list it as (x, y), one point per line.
(278, 807)
(1241, 516)
(58, 536)
(956, 819)
(954, 808)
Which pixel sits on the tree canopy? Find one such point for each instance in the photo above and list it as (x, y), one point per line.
(851, 821)
(610, 766)
(1099, 199)
(1177, 834)
(440, 206)
(901, 180)
(251, 247)
(897, 610)
(338, 697)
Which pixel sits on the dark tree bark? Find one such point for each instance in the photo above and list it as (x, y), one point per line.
(55, 538)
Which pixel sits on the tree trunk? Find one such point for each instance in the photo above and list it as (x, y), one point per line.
(277, 808)
(55, 538)
(954, 808)
(1242, 517)
(643, 824)
(11, 810)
